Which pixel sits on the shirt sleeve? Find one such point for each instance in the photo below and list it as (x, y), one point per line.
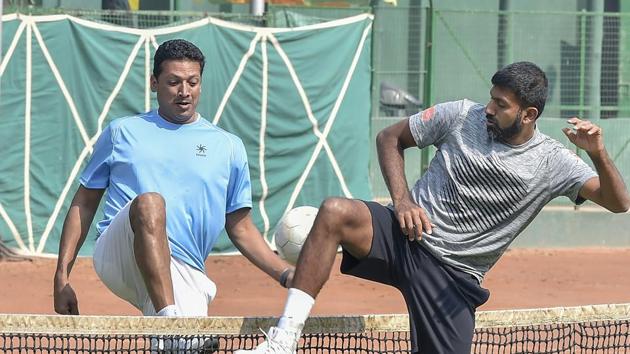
(431, 126)
(568, 173)
(239, 193)
(96, 173)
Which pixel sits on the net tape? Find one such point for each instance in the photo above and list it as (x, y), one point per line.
(584, 329)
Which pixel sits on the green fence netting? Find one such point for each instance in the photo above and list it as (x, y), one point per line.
(299, 98)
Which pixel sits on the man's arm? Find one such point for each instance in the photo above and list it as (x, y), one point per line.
(250, 243)
(391, 143)
(75, 228)
(609, 189)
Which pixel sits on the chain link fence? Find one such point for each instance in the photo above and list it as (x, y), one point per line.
(442, 55)
(428, 56)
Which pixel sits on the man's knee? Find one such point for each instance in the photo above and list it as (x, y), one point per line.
(348, 222)
(342, 215)
(335, 210)
(148, 209)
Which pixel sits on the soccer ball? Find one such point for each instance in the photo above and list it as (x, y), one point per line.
(292, 230)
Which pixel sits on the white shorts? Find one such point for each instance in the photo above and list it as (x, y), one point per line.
(115, 263)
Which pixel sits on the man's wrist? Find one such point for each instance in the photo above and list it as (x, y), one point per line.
(401, 199)
(598, 154)
(61, 279)
(284, 277)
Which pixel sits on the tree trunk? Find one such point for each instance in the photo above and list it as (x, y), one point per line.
(6, 254)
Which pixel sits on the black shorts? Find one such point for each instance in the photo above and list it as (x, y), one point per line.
(441, 300)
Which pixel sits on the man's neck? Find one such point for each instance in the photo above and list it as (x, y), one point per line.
(524, 136)
(175, 120)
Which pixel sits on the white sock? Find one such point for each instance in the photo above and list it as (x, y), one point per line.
(170, 311)
(296, 310)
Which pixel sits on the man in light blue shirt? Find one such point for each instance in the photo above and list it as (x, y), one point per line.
(173, 182)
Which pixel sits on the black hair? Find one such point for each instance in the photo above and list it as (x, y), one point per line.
(527, 81)
(177, 49)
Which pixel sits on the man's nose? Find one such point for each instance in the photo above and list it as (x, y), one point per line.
(184, 91)
(489, 110)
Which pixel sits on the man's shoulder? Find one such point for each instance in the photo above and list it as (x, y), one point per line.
(549, 148)
(463, 108)
(547, 141)
(468, 104)
(215, 129)
(466, 113)
(130, 120)
(461, 105)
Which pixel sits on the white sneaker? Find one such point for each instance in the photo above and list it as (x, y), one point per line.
(279, 341)
(184, 345)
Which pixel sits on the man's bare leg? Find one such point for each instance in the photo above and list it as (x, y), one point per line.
(339, 221)
(147, 215)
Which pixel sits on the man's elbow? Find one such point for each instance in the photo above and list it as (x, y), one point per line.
(622, 207)
(388, 138)
(625, 208)
(618, 210)
(382, 137)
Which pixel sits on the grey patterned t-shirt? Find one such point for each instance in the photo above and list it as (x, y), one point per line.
(481, 193)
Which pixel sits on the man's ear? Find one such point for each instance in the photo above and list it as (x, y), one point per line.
(530, 114)
(154, 83)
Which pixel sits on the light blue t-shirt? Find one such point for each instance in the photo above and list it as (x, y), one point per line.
(199, 169)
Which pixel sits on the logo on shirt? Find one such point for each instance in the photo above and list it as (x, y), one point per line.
(428, 113)
(201, 150)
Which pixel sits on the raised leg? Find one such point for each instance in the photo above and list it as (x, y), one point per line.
(340, 221)
(147, 215)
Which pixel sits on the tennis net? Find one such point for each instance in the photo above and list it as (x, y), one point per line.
(585, 329)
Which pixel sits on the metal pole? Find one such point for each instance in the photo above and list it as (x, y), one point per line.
(171, 9)
(257, 7)
(582, 61)
(414, 48)
(597, 37)
(504, 49)
(427, 94)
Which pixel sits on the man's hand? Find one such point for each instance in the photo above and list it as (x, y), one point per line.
(412, 218)
(66, 302)
(585, 135)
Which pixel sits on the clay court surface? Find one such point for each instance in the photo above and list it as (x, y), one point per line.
(521, 279)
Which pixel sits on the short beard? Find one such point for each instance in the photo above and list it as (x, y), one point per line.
(505, 134)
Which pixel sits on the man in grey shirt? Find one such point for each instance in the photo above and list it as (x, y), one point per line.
(492, 173)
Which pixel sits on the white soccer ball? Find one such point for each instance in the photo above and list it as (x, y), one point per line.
(292, 230)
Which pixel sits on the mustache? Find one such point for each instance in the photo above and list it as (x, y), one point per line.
(491, 118)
